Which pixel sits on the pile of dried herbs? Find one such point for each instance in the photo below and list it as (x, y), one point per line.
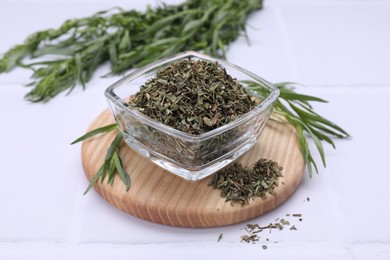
(193, 96)
(240, 184)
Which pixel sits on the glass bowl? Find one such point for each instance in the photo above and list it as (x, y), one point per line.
(192, 157)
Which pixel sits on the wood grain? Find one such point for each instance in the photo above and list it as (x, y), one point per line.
(159, 196)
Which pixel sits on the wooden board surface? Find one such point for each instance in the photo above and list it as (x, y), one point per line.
(159, 196)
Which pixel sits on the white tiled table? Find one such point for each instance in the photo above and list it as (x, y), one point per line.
(338, 50)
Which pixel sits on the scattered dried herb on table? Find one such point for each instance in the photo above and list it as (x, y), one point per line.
(63, 57)
(240, 184)
(193, 96)
(220, 237)
(255, 230)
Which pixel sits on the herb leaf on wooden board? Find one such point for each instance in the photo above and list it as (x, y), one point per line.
(104, 129)
(69, 55)
(306, 122)
(112, 164)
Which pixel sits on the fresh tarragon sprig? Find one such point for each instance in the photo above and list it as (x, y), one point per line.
(68, 56)
(297, 110)
(112, 164)
(292, 106)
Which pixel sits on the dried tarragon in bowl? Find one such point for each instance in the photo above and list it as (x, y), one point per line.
(191, 117)
(194, 97)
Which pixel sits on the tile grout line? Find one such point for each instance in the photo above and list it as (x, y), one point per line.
(74, 236)
(38, 245)
(340, 220)
(337, 213)
(287, 43)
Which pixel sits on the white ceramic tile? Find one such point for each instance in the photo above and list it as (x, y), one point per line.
(195, 251)
(339, 42)
(33, 251)
(41, 173)
(190, 250)
(358, 167)
(367, 251)
(267, 55)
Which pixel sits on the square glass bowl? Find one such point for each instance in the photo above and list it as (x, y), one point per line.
(192, 157)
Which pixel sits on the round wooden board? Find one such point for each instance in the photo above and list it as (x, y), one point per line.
(159, 196)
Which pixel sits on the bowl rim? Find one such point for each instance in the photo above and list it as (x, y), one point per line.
(265, 103)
